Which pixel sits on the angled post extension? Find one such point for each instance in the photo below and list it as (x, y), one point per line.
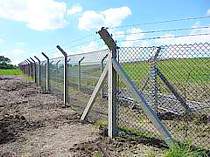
(47, 84)
(38, 71)
(65, 97)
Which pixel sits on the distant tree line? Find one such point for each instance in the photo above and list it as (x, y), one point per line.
(5, 63)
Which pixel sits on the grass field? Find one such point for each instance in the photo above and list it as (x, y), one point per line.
(176, 70)
(180, 72)
(12, 72)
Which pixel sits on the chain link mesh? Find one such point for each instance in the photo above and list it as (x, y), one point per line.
(43, 74)
(56, 76)
(175, 81)
(177, 86)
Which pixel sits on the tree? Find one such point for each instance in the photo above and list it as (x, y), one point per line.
(4, 60)
(5, 63)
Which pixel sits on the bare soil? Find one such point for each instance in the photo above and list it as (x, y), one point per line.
(33, 123)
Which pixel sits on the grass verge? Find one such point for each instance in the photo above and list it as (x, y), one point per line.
(183, 150)
(12, 72)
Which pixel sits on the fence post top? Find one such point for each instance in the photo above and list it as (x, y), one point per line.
(26, 61)
(29, 60)
(156, 54)
(37, 59)
(81, 59)
(58, 61)
(45, 55)
(104, 57)
(61, 50)
(32, 59)
(107, 38)
(69, 60)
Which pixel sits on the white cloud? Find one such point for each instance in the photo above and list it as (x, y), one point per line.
(74, 10)
(110, 17)
(37, 14)
(133, 35)
(16, 55)
(208, 12)
(20, 44)
(131, 38)
(1, 40)
(92, 46)
(195, 36)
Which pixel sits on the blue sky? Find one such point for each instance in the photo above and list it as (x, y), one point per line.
(31, 26)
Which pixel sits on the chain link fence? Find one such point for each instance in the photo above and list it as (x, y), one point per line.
(56, 76)
(84, 71)
(43, 74)
(175, 81)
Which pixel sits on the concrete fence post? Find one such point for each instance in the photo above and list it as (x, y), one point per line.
(31, 68)
(112, 83)
(65, 98)
(34, 71)
(38, 71)
(79, 73)
(47, 87)
(27, 68)
(22, 66)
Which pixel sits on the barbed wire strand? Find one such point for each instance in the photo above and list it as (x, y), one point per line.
(163, 30)
(165, 37)
(161, 22)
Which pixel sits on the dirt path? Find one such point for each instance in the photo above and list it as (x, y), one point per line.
(36, 124)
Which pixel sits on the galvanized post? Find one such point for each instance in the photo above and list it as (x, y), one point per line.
(79, 73)
(22, 67)
(38, 71)
(47, 73)
(102, 69)
(31, 68)
(27, 68)
(154, 85)
(65, 98)
(112, 83)
(34, 71)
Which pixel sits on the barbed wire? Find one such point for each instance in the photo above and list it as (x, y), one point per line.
(80, 44)
(91, 35)
(162, 30)
(164, 37)
(161, 22)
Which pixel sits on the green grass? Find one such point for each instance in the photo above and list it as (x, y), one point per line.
(183, 150)
(176, 70)
(97, 154)
(12, 72)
